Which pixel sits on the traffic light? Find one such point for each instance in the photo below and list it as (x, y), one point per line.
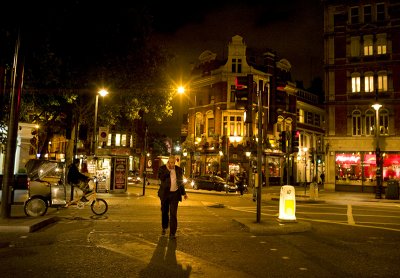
(282, 141)
(295, 141)
(244, 86)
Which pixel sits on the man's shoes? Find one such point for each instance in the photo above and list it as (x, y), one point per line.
(163, 232)
(172, 236)
(83, 199)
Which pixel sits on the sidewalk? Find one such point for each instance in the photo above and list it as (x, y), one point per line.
(19, 223)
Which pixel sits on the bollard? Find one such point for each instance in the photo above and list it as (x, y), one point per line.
(313, 191)
(287, 204)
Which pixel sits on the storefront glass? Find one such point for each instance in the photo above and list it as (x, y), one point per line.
(359, 168)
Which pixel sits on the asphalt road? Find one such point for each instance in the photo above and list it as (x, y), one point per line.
(345, 241)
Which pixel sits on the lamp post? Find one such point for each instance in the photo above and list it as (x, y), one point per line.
(102, 93)
(378, 192)
(248, 154)
(181, 90)
(305, 149)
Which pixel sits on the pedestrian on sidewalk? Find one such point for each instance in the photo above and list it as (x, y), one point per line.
(170, 193)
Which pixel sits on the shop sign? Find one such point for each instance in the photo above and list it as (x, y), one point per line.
(347, 158)
(120, 173)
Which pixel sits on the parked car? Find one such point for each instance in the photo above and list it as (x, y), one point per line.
(134, 177)
(210, 182)
(20, 188)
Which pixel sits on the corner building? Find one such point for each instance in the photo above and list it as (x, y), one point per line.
(222, 138)
(362, 67)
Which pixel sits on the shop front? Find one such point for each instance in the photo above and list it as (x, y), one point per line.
(356, 171)
(110, 166)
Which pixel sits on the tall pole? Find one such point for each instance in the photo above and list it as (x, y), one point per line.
(94, 142)
(194, 137)
(378, 192)
(145, 162)
(259, 155)
(17, 78)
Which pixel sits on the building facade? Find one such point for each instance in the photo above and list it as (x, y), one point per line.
(222, 138)
(361, 64)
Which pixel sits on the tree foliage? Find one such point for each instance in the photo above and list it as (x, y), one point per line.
(70, 54)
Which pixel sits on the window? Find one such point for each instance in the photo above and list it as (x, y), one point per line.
(117, 139)
(369, 122)
(317, 120)
(384, 122)
(123, 140)
(380, 11)
(199, 125)
(225, 126)
(354, 15)
(357, 128)
(355, 83)
(232, 95)
(368, 45)
(369, 82)
(382, 82)
(109, 139)
(231, 126)
(381, 44)
(239, 126)
(237, 65)
(355, 47)
(310, 118)
(300, 115)
(367, 14)
(211, 127)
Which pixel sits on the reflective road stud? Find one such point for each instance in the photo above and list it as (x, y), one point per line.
(287, 204)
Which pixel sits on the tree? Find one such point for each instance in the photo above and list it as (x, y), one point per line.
(69, 61)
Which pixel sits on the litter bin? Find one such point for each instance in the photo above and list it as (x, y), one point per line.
(392, 190)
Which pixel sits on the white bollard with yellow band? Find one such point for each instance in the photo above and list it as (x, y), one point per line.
(287, 204)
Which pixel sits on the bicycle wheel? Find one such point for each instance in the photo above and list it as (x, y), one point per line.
(99, 206)
(35, 207)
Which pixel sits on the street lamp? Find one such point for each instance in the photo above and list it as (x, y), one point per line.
(305, 149)
(249, 174)
(378, 192)
(102, 93)
(181, 90)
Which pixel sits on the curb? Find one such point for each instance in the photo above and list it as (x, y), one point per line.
(273, 227)
(25, 225)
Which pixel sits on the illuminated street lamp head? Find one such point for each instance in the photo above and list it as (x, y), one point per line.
(181, 90)
(376, 106)
(103, 92)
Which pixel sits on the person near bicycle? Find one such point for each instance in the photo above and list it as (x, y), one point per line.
(77, 179)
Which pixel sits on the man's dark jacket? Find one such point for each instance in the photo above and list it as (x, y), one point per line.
(165, 185)
(74, 176)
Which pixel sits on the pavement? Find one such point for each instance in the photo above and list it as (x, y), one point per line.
(19, 223)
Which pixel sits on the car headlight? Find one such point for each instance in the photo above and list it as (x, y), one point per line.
(192, 183)
(185, 180)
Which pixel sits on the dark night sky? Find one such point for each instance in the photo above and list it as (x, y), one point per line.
(292, 28)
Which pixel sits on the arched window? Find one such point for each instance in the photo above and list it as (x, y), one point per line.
(384, 122)
(369, 122)
(356, 121)
(210, 124)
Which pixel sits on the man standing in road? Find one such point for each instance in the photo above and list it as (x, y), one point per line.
(170, 193)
